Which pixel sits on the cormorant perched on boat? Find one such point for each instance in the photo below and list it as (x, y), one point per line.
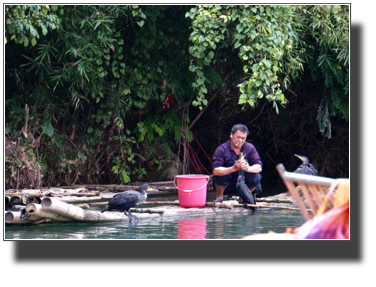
(306, 167)
(128, 199)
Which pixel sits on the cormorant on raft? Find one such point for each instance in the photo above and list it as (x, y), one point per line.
(128, 199)
(306, 167)
(242, 188)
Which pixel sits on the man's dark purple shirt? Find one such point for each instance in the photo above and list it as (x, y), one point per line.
(225, 156)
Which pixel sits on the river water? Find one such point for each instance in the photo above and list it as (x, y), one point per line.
(218, 226)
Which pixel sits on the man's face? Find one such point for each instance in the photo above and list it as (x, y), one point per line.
(238, 138)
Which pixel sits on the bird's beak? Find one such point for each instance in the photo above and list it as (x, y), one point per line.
(298, 156)
(152, 189)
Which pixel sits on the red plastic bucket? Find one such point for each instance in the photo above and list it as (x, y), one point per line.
(192, 189)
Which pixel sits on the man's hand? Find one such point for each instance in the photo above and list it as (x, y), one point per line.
(244, 166)
(238, 165)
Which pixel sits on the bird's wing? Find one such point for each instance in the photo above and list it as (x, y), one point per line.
(314, 170)
(124, 197)
(300, 169)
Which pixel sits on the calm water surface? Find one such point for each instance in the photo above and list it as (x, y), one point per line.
(219, 226)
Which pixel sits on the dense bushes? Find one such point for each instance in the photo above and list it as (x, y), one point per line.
(100, 81)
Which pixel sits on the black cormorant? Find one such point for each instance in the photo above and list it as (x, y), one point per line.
(241, 187)
(128, 199)
(306, 167)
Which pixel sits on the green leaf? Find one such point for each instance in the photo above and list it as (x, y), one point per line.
(200, 81)
(141, 23)
(268, 63)
(48, 129)
(121, 42)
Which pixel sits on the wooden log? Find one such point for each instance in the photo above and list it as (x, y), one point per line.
(77, 213)
(7, 200)
(36, 209)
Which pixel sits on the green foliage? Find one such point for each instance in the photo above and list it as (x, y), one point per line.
(95, 76)
(324, 121)
(47, 129)
(266, 42)
(158, 126)
(326, 33)
(121, 169)
(23, 23)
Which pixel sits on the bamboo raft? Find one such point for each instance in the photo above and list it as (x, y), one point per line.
(73, 205)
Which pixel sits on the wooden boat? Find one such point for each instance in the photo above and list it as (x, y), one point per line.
(328, 202)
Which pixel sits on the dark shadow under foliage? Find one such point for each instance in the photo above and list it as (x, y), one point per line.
(278, 137)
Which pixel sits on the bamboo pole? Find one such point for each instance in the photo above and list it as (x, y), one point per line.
(115, 186)
(161, 202)
(7, 200)
(77, 213)
(266, 206)
(16, 199)
(291, 187)
(35, 194)
(15, 217)
(142, 210)
(274, 200)
(94, 193)
(225, 205)
(83, 205)
(36, 209)
(75, 199)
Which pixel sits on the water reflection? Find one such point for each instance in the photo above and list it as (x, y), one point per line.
(192, 228)
(218, 226)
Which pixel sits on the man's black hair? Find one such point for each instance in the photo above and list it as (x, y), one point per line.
(241, 128)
